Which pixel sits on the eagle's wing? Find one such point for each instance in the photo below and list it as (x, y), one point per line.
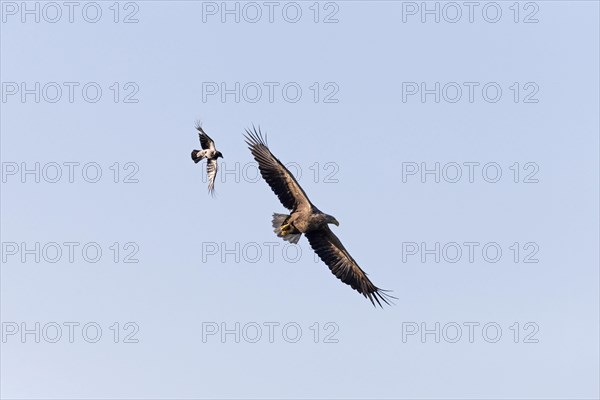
(211, 172)
(205, 141)
(282, 182)
(342, 265)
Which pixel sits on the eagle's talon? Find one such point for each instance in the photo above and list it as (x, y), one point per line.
(285, 228)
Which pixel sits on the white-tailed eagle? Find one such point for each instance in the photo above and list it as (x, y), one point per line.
(306, 219)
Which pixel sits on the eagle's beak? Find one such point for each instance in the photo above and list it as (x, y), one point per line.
(335, 221)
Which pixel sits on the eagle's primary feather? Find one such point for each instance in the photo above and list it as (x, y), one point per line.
(282, 182)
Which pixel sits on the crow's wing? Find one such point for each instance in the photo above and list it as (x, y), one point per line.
(205, 141)
(211, 172)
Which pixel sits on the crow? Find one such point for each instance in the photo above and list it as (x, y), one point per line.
(211, 154)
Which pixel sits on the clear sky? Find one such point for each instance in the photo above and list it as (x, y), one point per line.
(460, 157)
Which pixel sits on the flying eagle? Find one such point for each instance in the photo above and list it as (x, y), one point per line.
(211, 154)
(306, 218)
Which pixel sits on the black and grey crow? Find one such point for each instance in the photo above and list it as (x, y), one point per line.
(211, 154)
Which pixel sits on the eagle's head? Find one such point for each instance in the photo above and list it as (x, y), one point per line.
(330, 219)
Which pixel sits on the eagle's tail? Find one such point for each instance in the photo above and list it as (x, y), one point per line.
(196, 156)
(278, 221)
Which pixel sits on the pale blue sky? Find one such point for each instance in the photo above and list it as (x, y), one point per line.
(179, 289)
